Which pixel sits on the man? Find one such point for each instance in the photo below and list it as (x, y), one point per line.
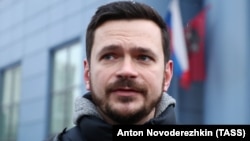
(127, 72)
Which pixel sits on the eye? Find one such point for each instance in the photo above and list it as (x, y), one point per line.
(144, 58)
(108, 56)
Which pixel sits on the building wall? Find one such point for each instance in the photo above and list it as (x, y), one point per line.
(30, 29)
(226, 96)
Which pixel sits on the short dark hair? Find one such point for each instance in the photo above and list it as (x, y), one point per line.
(126, 10)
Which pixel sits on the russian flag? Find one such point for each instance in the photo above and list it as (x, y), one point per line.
(178, 44)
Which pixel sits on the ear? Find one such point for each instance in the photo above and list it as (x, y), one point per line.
(168, 75)
(86, 74)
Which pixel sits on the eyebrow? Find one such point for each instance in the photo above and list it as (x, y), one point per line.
(132, 50)
(144, 51)
(108, 49)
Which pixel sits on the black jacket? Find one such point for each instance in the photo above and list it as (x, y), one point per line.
(91, 127)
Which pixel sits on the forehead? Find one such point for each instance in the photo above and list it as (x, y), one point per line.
(129, 26)
(128, 33)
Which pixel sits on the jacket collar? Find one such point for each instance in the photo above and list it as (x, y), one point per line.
(85, 107)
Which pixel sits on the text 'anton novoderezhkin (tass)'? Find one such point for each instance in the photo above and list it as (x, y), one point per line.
(188, 131)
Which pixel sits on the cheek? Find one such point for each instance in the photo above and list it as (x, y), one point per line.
(155, 81)
(99, 79)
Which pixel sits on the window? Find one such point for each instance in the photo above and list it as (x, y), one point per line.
(9, 109)
(66, 85)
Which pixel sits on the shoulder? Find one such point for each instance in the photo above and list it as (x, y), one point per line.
(72, 134)
(57, 137)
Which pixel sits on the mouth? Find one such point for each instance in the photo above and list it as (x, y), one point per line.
(125, 92)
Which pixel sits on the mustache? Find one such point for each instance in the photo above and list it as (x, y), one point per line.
(126, 83)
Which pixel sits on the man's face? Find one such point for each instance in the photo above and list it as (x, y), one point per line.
(127, 74)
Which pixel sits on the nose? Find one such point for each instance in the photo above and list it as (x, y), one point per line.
(127, 69)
